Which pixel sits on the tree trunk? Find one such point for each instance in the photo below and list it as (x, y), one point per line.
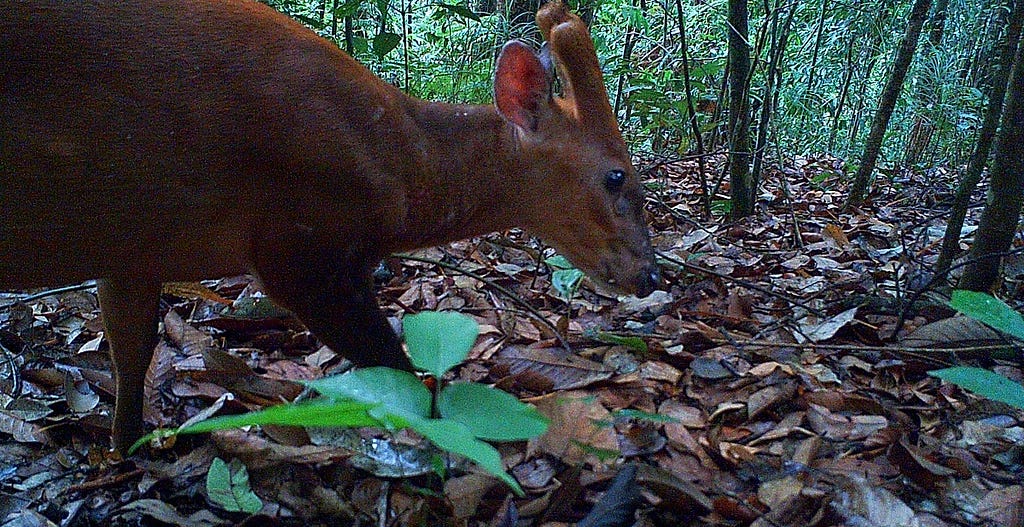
(485, 6)
(349, 40)
(1002, 57)
(887, 103)
(1002, 212)
(742, 192)
(771, 92)
(928, 93)
(334, 20)
(869, 54)
(818, 34)
(627, 53)
(698, 138)
(843, 91)
(979, 72)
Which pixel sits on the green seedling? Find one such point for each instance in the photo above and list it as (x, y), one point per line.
(458, 418)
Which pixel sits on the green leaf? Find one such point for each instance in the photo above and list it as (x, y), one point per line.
(721, 206)
(455, 437)
(462, 11)
(649, 95)
(985, 383)
(490, 413)
(566, 282)
(602, 454)
(990, 310)
(633, 343)
(348, 8)
(228, 486)
(360, 45)
(384, 42)
(645, 416)
(558, 262)
(318, 412)
(391, 391)
(708, 69)
(438, 341)
(309, 21)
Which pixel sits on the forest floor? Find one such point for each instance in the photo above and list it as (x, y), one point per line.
(780, 378)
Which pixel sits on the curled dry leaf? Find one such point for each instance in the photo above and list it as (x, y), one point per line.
(914, 464)
(770, 397)
(835, 426)
(564, 371)
(676, 494)
(21, 430)
(826, 329)
(188, 339)
(258, 453)
(132, 513)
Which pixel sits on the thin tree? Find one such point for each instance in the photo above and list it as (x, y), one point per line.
(887, 103)
(698, 137)
(334, 21)
(1006, 192)
(977, 73)
(627, 52)
(771, 92)
(869, 55)
(818, 34)
(1002, 57)
(740, 180)
(844, 90)
(929, 90)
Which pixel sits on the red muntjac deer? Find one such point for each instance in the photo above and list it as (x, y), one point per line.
(144, 141)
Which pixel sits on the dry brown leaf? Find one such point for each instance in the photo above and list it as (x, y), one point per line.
(22, 431)
(826, 329)
(465, 493)
(960, 331)
(193, 290)
(835, 426)
(914, 464)
(188, 339)
(1004, 506)
(836, 234)
(234, 374)
(860, 503)
(769, 397)
(579, 427)
(565, 372)
(258, 453)
(675, 494)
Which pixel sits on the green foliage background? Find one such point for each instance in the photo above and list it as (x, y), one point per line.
(448, 51)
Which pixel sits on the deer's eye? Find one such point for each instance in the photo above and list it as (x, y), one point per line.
(614, 180)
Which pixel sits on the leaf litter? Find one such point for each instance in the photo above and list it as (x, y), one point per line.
(779, 378)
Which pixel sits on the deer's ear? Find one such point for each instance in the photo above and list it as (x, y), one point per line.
(522, 88)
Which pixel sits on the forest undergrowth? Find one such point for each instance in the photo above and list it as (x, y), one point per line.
(778, 378)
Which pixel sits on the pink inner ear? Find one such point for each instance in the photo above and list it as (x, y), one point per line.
(520, 85)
